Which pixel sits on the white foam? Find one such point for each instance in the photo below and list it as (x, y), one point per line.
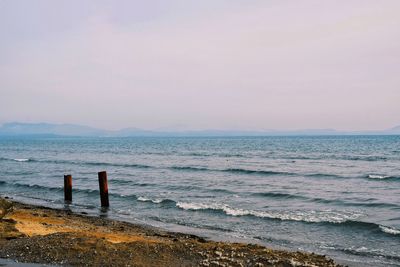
(144, 199)
(21, 160)
(374, 176)
(195, 206)
(305, 216)
(327, 247)
(389, 230)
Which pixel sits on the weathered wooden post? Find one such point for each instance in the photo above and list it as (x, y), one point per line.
(68, 187)
(103, 189)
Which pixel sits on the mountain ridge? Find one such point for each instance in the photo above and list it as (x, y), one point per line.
(50, 129)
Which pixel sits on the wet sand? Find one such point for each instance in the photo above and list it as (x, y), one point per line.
(36, 234)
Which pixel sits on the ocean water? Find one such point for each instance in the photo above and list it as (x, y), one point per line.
(336, 195)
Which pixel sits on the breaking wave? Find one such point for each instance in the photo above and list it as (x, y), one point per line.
(389, 230)
(21, 160)
(305, 216)
(155, 201)
(16, 159)
(313, 216)
(382, 177)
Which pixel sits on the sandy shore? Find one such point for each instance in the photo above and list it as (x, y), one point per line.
(42, 235)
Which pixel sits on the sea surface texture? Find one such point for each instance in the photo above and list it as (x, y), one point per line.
(338, 196)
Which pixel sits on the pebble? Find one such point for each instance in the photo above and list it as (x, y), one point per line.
(218, 253)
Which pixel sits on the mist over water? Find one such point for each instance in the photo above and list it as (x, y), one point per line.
(337, 196)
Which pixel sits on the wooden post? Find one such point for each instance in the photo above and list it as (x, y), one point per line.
(68, 188)
(103, 189)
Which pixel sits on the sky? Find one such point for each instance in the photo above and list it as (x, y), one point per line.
(209, 64)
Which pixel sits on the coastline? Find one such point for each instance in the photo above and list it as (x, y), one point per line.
(37, 234)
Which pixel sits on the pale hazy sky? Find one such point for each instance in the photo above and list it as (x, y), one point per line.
(201, 64)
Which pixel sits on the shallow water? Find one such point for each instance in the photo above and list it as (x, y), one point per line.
(11, 263)
(338, 196)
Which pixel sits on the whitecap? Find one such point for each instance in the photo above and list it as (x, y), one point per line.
(389, 230)
(195, 206)
(21, 160)
(144, 199)
(374, 176)
(305, 216)
(327, 247)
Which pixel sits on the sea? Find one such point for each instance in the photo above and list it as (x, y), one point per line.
(333, 195)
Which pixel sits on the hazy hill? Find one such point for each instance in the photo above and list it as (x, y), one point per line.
(394, 130)
(48, 129)
(16, 128)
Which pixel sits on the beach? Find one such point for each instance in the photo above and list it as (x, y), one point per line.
(37, 234)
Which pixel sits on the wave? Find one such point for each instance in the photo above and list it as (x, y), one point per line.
(246, 171)
(221, 155)
(232, 170)
(52, 188)
(382, 177)
(243, 171)
(205, 169)
(17, 159)
(117, 165)
(372, 227)
(305, 216)
(334, 157)
(21, 160)
(189, 168)
(132, 165)
(36, 186)
(324, 216)
(288, 196)
(331, 217)
(133, 183)
(325, 175)
(48, 188)
(279, 195)
(364, 158)
(92, 192)
(389, 230)
(155, 201)
(363, 251)
(90, 163)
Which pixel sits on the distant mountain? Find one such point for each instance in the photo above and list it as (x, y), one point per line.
(394, 130)
(48, 129)
(17, 128)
